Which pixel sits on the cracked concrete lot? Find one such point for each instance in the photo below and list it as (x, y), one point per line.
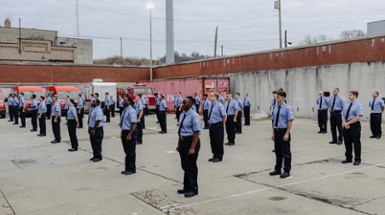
(39, 178)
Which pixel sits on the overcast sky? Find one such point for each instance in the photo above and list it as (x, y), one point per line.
(244, 25)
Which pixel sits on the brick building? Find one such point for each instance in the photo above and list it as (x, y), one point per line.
(34, 45)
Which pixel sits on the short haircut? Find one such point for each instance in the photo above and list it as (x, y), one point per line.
(336, 88)
(354, 92)
(275, 92)
(97, 95)
(97, 101)
(22, 94)
(216, 95)
(205, 95)
(162, 96)
(377, 93)
(129, 99)
(42, 97)
(282, 93)
(238, 94)
(106, 93)
(34, 96)
(80, 94)
(92, 94)
(140, 95)
(191, 99)
(72, 101)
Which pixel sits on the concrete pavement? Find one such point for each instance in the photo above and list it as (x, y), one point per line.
(38, 177)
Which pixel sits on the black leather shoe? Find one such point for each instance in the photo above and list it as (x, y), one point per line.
(319, 132)
(92, 159)
(21, 126)
(162, 132)
(333, 142)
(130, 173)
(190, 194)
(239, 133)
(275, 172)
(97, 159)
(72, 150)
(211, 159)
(284, 175)
(216, 160)
(33, 130)
(55, 141)
(378, 137)
(41, 135)
(371, 137)
(15, 123)
(138, 143)
(324, 132)
(346, 161)
(339, 143)
(356, 163)
(181, 191)
(229, 144)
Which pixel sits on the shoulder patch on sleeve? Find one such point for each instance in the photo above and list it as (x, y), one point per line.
(196, 119)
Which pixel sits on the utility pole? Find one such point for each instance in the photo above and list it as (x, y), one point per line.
(285, 39)
(121, 47)
(19, 35)
(221, 51)
(277, 5)
(216, 41)
(77, 19)
(150, 6)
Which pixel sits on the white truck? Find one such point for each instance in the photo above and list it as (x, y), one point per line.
(97, 87)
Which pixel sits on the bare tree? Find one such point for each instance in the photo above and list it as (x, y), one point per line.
(317, 39)
(352, 34)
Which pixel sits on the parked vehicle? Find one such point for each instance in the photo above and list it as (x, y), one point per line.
(62, 92)
(145, 90)
(3, 107)
(28, 91)
(188, 86)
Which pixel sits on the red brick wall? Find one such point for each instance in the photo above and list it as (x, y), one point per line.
(339, 52)
(70, 74)
(368, 49)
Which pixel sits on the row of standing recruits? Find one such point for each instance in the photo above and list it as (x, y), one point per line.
(376, 108)
(345, 117)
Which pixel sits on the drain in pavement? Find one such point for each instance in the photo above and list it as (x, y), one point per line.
(277, 198)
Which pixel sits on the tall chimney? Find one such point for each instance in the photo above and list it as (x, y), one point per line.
(169, 32)
(7, 23)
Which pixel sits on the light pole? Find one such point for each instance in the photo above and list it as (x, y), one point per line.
(277, 5)
(150, 6)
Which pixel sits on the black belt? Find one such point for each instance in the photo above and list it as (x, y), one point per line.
(322, 109)
(185, 138)
(336, 111)
(280, 129)
(375, 113)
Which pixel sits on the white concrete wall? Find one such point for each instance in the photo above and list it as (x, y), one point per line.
(303, 84)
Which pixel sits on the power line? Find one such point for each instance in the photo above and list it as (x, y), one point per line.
(159, 18)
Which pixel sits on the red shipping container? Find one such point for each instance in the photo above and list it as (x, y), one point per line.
(187, 87)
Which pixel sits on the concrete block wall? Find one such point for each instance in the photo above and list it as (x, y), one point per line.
(303, 84)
